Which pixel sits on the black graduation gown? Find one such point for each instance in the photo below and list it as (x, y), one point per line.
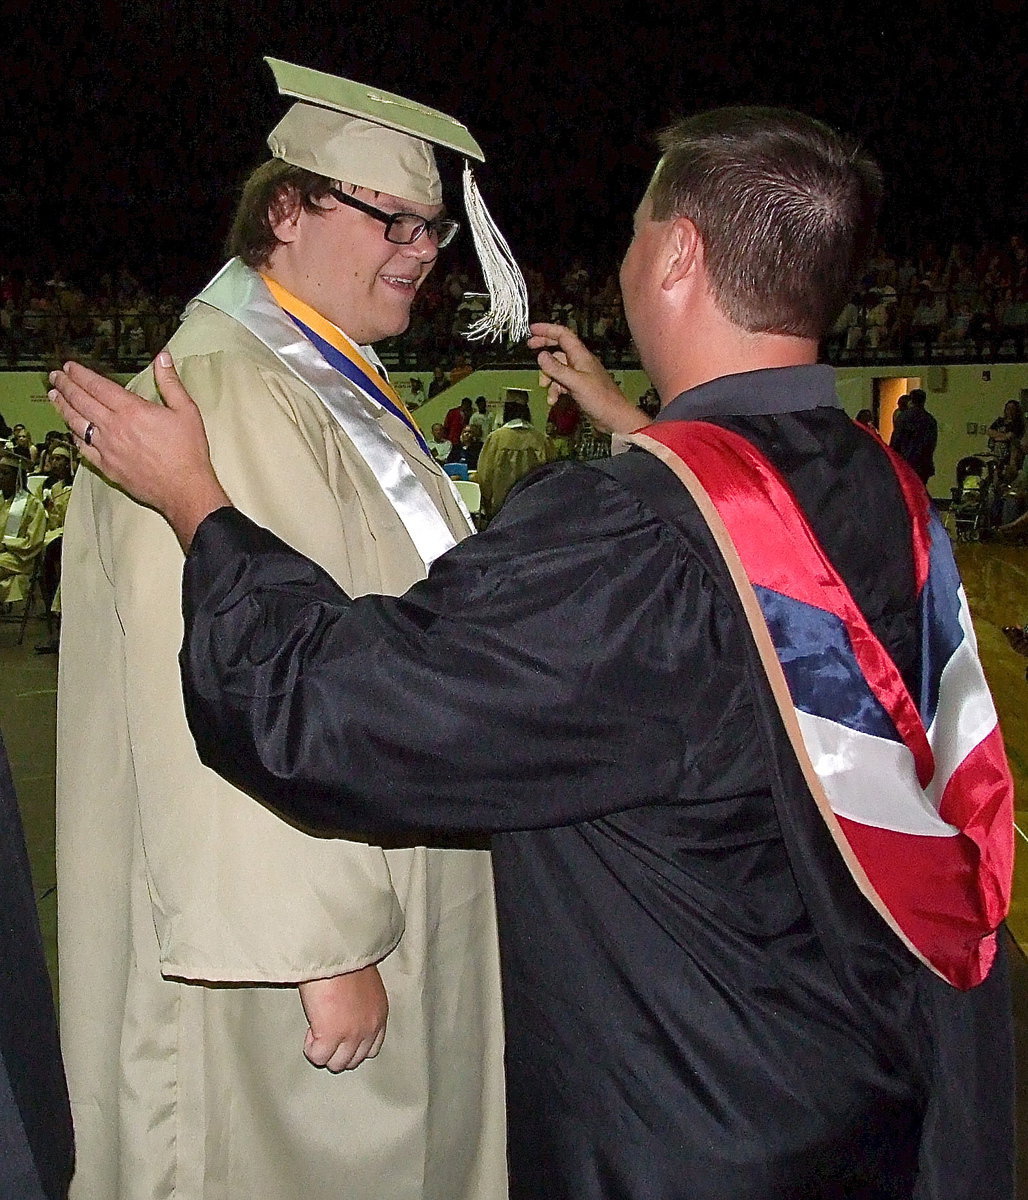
(35, 1117)
(699, 1003)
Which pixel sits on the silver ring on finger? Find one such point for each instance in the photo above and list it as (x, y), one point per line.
(87, 436)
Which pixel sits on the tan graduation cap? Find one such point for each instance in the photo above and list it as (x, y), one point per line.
(375, 139)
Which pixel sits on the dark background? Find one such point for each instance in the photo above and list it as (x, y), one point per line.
(129, 127)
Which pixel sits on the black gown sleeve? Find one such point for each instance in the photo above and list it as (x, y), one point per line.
(571, 661)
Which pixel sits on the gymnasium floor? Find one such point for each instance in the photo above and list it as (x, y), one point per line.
(996, 580)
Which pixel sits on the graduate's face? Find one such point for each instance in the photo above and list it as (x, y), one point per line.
(8, 482)
(60, 466)
(339, 262)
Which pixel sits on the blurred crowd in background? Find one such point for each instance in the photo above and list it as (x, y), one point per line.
(964, 301)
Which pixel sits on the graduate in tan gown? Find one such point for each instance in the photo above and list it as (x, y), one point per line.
(57, 492)
(750, 905)
(206, 947)
(22, 529)
(509, 453)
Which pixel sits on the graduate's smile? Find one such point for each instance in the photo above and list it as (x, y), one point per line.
(405, 284)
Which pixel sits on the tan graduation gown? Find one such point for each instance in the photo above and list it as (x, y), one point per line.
(60, 495)
(185, 906)
(18, 552)
(508, 454)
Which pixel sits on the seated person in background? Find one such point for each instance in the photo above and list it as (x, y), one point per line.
(928, 315)
(959, 315)
(1014, 505)
(509, 454)
(22, 528)
(57, 486)
(417, 393)
(23, 445)
(845, 333)
(878, 315)
(1014, 319)
(470, 309)
(467, 449)
(461, 370)
(437, 444)
(56, 493)
(438, 383)
(53, 438)
(1006, 434)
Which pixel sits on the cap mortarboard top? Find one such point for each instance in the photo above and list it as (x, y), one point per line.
(374, 105)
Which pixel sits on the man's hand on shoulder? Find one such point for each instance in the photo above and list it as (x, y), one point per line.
(347, 1016)
(158, 453)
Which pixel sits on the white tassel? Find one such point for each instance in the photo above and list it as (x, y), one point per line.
(508, 296)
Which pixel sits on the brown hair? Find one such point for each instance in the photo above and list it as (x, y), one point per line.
(268, 195)
(785, 206)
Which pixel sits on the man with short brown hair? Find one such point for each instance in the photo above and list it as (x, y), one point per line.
(785, 209)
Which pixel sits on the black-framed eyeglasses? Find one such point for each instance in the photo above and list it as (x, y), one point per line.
(403, 229)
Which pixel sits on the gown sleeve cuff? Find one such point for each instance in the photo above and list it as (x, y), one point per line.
(225, 543)
(224, 528)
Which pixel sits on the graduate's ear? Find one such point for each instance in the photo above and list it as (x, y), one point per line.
(284, 214)
(684, 252)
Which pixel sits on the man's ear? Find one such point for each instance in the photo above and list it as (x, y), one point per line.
(284, 215)
(684, 252)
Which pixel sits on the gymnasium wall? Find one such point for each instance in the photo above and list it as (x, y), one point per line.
(23, 400)
(493, 385)
(964, 399)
